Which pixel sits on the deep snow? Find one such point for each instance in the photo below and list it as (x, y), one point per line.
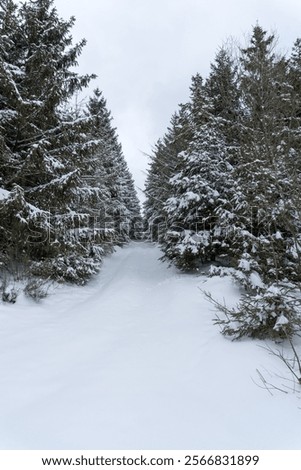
(133, 361)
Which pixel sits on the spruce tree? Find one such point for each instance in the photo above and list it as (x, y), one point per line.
(194, 235)
(11, 73)
(259, 175)
(222, 87)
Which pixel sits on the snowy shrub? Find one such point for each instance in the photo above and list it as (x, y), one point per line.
(182, 248)
(9, 295)
(36, 289)
(8, 291)
(274, 312)
(189, 249)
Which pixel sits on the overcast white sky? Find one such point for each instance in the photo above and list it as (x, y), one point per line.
(145, 52)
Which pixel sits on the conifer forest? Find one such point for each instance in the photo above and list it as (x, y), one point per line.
(67, 196)
(224, 184)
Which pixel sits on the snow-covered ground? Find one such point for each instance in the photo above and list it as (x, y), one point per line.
(133, 361)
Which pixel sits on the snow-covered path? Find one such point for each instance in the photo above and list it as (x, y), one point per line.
(133, 361)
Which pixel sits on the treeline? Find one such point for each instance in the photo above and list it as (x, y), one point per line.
(223, 185)
(66, 193)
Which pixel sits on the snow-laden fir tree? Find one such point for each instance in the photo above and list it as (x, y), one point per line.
(222, 87)
(10, 75)
(196, 190)
(194, 235)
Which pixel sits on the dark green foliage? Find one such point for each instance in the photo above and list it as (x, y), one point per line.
(164, 163)
(232, 191)
(36, 289)
(119, 205)
(197, 190)
(57, 176)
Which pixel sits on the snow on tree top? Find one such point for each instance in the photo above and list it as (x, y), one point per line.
(3, 194)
